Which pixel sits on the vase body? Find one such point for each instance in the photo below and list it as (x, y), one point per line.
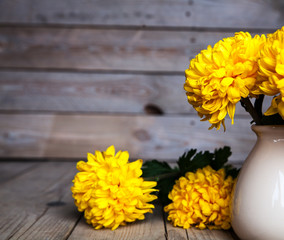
(258, 201)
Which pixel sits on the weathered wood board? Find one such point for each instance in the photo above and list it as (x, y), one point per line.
(147, 137)
(178, 233)
(102, 49)
(9, 171)
(28, 209)
(74, 76)
(150, 228)
(37, 204)
(95, 93)
(174, 13)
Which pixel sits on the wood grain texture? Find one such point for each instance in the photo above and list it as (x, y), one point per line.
(207, 234)
(102, 49)
(12, 170)
(92, 92)
(177, 233)
(146, 137)
(175, 13)
(61, 216)
(38, 205)
(26, 209)
(95, 93)
(150, 228)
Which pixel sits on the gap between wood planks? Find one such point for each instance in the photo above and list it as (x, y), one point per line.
(75, 225)
(258, 30)
(90, 71)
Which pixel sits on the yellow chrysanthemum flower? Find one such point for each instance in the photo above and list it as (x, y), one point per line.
(110, 190)
(201, 199)
(218, 77)
(271, 71)
(277, 106)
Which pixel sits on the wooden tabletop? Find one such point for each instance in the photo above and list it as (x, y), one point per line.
(36, 203)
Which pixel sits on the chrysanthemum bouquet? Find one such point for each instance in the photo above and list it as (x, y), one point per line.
(237, 69)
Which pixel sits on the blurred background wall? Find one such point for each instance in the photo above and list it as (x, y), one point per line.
(76, 76)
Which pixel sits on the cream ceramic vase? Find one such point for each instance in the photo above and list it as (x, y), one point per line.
(258, 202)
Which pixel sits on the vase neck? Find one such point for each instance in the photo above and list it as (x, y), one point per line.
(269, 131)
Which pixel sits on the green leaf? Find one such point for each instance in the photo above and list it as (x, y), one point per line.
(165, 186)
(231, 171)
(221, 157)
(190, 162)
(155, 168)
(184, 160)
(163, 174)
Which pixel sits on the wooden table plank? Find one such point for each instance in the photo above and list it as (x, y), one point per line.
(207, 234)
(96, 92)
(177, 233)
(176, 13)
(38, 205)
(146, 137)
(11, 170)
(151, 228)
(102, 49)
(61, 215)
(92, 92)
(26, 210)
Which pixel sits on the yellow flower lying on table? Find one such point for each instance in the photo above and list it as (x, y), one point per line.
(201, 199)
(198, 190)
(110, 190)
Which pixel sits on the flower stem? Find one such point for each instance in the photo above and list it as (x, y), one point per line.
(258, 104)
(246, 103)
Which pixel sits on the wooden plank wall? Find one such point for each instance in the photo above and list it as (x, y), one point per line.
(81, 75)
